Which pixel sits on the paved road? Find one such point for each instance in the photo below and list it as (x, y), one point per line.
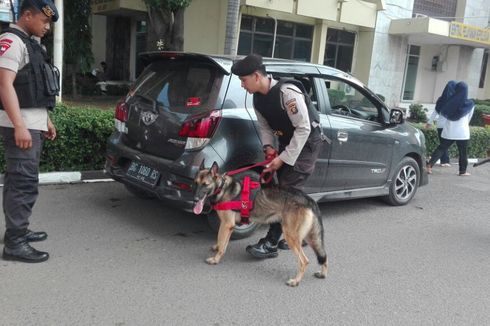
(117, 260)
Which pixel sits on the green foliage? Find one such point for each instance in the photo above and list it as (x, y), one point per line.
(476, 119)
(336, 97)
(417, 113)
(172, 5)
(478, 146)
(78, 35)
(80, 141)
(482, 102)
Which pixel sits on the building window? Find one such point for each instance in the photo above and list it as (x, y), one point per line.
(443, 9)
(483, 72)
(411, 72)
(293, 41)
(339, 50)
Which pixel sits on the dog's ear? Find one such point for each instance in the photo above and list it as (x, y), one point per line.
(201, 167)
(214, 169)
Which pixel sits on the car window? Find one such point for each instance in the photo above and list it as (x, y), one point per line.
(348, 100)
(307, 82)
(178, 85)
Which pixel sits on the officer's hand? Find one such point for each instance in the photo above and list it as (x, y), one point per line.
(274, 165)
(428, 125)
(270, 152)
(23, 138)
(51, 133)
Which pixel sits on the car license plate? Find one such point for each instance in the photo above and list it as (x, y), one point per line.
(143, 173)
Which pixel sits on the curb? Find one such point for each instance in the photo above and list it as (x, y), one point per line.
(48, 178)
(69, 177)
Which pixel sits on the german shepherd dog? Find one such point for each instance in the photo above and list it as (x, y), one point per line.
(298, 214)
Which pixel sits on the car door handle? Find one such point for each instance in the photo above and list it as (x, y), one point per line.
(342, 136)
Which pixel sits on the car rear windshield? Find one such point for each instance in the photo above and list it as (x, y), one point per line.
(180, 85)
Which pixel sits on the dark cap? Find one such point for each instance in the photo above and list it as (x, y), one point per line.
(248, 65)
(47, 7)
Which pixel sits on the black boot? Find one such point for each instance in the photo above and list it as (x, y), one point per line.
(265, 248)
(283, 245)
(17, 248)
(32, 236)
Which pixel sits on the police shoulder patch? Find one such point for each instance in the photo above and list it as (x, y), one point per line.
(5, 45)
(291, 104)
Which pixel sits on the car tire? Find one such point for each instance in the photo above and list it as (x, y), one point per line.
(405, 182)
(138, 192)
(241, 231)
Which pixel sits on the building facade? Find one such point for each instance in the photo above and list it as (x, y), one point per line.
(6, 11)
(405, 50)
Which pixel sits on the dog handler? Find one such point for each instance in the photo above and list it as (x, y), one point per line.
(28, 86)
(282, 112)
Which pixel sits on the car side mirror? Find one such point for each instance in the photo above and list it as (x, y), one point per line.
(396, 117)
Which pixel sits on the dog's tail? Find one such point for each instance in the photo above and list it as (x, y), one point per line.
(316, 236)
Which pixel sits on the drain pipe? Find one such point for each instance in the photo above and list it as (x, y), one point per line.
(275, 33)
(58, 43)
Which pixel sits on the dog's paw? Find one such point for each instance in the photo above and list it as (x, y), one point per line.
(212, 261)
(214, 248)
(292, 282)
(320, 275)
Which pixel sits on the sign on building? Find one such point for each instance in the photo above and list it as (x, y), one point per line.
(469, 33)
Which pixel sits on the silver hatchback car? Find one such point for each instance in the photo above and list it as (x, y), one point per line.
(186, 107)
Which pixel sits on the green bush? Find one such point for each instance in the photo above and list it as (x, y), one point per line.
(482, 102)
(417, 113)
(478, 146)
(336, 97)
(80, 142)
(476, 119)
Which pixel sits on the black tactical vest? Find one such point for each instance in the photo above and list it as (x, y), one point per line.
(270, 107)
(37, 83)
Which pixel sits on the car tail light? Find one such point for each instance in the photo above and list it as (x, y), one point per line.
(121, 116)
(121, 112)
(182, 186)
(202, 127)
(199, 130)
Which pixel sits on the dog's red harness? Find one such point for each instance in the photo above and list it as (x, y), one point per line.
(245, 204)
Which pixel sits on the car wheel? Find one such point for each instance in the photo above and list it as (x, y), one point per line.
(138, 192)
(405, 182)
(241, 231)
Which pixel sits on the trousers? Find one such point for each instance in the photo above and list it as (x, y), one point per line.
(462, 149)
(21, 181)
(296, 176)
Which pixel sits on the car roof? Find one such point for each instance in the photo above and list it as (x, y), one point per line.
(226, 61)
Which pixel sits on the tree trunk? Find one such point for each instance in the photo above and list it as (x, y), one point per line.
(178, 31)
(232, 27)
(159, 34)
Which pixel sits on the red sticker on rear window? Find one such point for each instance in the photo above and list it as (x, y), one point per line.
(5, 45)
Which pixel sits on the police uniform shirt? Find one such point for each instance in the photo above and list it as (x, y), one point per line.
(14, 56)
(293, 101)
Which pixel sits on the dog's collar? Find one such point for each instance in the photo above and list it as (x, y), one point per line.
(220, 187)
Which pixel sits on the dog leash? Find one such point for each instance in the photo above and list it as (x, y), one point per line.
(265, 177)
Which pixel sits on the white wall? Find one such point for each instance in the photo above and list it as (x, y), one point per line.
(389, 54)
(205, 26)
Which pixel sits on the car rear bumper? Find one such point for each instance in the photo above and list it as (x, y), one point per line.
(164, 189)
(175, 183)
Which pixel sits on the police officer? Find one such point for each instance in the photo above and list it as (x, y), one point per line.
(28, 86)
(281, 112)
